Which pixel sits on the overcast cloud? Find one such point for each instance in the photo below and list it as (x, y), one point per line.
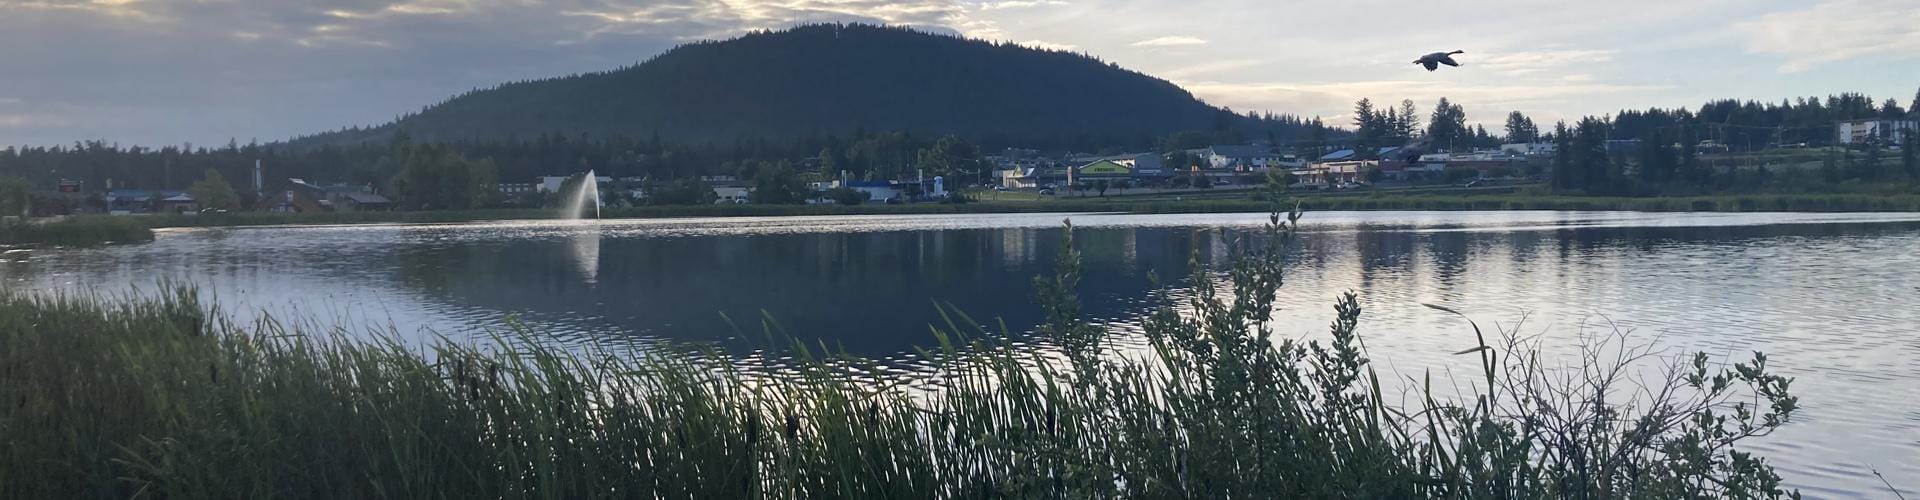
(204, 71)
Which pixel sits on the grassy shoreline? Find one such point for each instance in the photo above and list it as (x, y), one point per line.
(174, 401)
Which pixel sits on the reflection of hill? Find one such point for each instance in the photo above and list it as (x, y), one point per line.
(874, 292)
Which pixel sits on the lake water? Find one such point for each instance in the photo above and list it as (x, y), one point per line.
(1834, 299)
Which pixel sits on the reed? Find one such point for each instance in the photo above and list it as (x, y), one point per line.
(161, 396)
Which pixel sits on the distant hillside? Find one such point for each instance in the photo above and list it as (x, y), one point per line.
(834, 79)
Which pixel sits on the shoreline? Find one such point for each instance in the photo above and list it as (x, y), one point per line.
(84, 230)
(1833, 203)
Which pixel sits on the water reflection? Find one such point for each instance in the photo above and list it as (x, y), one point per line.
(586, 252)
(1835, 298)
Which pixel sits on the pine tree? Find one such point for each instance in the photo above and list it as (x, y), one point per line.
(1364, 123)
(1408, 114)
(1520, 129)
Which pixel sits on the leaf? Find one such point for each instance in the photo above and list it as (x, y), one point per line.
(1432, 306)
(1473, 350)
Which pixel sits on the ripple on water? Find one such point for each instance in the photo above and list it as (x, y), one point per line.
(1834, 299)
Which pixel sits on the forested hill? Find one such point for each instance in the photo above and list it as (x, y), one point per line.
(831, 79)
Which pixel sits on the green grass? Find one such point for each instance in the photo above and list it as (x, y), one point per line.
(160, 397)
(75, 231)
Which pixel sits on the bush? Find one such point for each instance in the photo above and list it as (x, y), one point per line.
(75, 231)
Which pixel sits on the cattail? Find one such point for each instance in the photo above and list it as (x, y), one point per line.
(793, 426)
(213, 373)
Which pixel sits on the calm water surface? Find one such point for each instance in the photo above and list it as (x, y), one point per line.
(1834, 299)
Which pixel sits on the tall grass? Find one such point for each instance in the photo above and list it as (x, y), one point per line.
(162, 397)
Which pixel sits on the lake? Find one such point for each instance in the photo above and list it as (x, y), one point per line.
(1833, 299)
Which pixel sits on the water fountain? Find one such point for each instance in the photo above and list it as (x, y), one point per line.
(589, 186)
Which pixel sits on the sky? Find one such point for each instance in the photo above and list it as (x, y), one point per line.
(167, 72)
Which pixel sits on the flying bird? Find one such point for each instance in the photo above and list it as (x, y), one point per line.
(1434, 60)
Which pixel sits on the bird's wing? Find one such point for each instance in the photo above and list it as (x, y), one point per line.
(1430, 65)
(1448, 60)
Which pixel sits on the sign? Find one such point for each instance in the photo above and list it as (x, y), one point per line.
(67, 186)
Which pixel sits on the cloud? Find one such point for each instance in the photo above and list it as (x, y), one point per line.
(1020, 4)
(1170, 41)
(1043, 44)
(1833, 31)
(1210, 67)
(1486, 104)
(1528, 62)
(4, 101)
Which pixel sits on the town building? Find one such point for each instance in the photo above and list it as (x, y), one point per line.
(1251, 158)
(1877, 130)
(552, 183)
(1529, 148)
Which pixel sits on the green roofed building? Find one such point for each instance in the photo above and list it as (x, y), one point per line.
(1103, 169)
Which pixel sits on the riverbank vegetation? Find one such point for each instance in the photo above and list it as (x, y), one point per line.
(163, 396)
(75, 231)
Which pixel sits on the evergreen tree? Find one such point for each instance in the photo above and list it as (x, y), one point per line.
(1448, 125)
(1365, 124)
(1914, 108)
(1520, 129)
(1408, 119)
(1891, 110)
(1564, 177)
(1657, 162)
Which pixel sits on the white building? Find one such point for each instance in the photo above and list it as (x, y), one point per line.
(1529, 148)
(551, 184)
(730, 194)
(1249, 157)
(1885, 131)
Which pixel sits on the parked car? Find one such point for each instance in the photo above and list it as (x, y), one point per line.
(1046, 191)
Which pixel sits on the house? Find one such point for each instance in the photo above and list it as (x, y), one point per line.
(1878, 130)
(360, 201)
(731, 194)
(178, 203)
